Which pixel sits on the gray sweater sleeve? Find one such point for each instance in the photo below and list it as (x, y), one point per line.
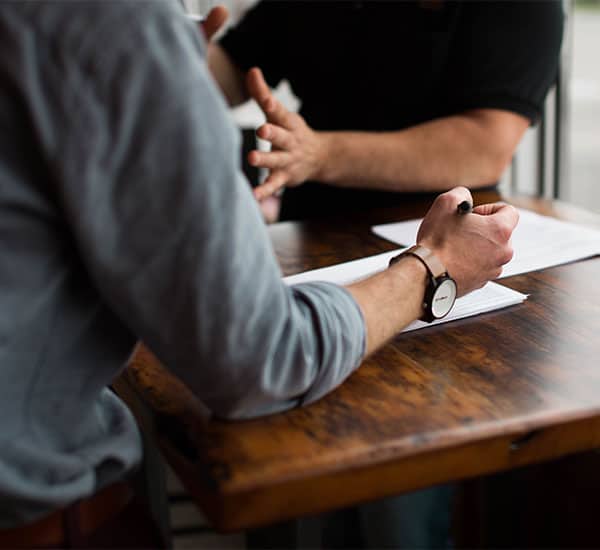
(168, 229)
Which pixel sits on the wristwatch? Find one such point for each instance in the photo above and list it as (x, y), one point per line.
(440, 294)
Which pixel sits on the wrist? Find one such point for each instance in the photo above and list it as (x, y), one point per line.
(440, 291)
(324, 153)
(436, 248)
(410, 272)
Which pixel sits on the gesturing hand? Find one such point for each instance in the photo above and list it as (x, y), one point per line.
(473, 247)
(297, 151)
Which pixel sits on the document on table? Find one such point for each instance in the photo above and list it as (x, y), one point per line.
(492, 296)
(538, 241)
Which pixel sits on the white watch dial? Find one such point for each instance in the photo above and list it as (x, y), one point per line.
(443, 298)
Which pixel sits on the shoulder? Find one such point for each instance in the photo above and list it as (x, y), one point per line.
(101, 29)
(534, 15)
(513, 28)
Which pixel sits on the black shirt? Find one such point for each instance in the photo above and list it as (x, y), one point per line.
(387, 65)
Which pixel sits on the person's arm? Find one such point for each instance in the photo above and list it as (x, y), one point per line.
(473, 249)
(229, 77)
(471, 148)
(148, 179)
(173, 242)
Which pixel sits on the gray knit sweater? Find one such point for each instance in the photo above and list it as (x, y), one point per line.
(124, 216)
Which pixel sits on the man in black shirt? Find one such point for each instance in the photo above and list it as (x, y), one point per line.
(396, 96)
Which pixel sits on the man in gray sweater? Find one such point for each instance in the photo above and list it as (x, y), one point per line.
(124, 216)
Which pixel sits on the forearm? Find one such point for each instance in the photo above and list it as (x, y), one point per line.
(458, 150)
(202, 291)
(390, 300)
(228, 76)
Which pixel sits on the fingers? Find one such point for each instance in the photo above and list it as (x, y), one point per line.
(214, 21)
(259, 91)
(271, 185)
(500, 220)
(502, 210)
(270, 208)
(269, 159)
(504, 216)
(488, 209)
(257, 86)
(279, 137)
(451, 199)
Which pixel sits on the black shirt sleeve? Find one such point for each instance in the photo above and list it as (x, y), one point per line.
(256, 40)
(505, 56)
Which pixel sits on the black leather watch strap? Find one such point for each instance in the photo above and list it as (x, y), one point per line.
(430, 260)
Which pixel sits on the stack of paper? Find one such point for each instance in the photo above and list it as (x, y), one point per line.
(348, 272)
(492, 296)
(538, 241)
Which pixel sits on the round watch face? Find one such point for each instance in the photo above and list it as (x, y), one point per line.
(443, 298)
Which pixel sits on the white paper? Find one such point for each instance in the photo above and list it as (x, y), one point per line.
(538, 241)
(348, 272)
(491, 297)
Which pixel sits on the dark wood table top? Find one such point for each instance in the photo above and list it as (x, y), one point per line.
(479, 395)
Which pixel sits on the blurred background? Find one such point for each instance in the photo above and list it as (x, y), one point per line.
(583, 186)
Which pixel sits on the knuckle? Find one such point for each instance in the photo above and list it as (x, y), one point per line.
(508, 255)
(446, 200)
(501, 230)
(460, 190)
(270, 105)
(457, 194)
(514, 212)
(505, 232)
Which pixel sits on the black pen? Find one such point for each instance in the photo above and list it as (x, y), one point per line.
(465, 207)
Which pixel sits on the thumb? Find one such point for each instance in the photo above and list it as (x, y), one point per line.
(214, 21)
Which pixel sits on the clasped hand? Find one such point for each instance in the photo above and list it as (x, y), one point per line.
(297, 151)
(472, 247)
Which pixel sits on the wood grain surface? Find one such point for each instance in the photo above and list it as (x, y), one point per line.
(485, 394)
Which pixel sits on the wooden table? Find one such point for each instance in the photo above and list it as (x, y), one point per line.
(501, 390)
